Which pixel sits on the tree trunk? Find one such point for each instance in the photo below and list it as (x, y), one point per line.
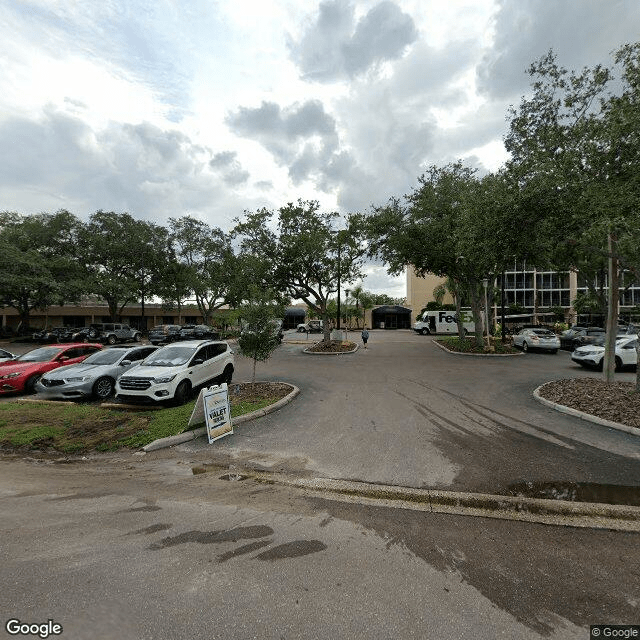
(326, 327)
(612, 313)
(113, 309)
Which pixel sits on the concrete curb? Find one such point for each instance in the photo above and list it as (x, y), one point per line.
(539, 510)
(477, 355)
(584, 416)
(171, 441)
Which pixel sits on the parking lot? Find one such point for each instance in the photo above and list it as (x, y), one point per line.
(405, 412)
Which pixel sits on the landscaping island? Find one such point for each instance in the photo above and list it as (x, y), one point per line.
(469, 345)
(71, 428)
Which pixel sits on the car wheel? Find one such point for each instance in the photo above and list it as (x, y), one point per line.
(137, 337)
(93, 334)
(103, 388)
(111, 339)
(182, 393)
(525, 346)
(227, 375)
(30, 384)
(618, 364)
(424, 331)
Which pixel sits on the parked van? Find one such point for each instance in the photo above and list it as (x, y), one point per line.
(443, 322)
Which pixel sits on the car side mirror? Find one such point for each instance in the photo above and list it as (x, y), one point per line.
(125, 363)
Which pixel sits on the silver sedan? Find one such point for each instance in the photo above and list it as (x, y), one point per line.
(94, 377)
(542, 339)
(6, 355)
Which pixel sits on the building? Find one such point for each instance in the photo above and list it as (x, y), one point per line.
(528, 292)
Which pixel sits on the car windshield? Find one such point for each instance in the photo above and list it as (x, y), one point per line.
(600, 340)
(169, 357)
(40, 355)
(108, 356)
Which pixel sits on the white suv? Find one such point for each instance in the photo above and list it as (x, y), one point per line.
(172, 372)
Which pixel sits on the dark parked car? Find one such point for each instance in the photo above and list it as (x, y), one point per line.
(579, 336)
(199, 332)
(51, 335)
(164, 333)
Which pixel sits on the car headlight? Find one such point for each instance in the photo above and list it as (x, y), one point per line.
(163, 379)
(77, 379)
(11, 375)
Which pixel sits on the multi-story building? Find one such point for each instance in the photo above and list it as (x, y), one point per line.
(528, 292)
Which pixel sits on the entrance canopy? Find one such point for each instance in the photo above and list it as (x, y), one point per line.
(391, 317)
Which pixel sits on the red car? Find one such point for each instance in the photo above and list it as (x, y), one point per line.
(20, 375)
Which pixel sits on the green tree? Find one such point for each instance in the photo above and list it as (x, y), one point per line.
(261, 319)
(441, 228)
(356, 295)
(123, 258)
(575, 155)
(211, 266)
(175, 285)
(39, 261)
(307, 254)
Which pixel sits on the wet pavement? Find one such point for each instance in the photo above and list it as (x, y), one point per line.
(186, 542)
(406, 413)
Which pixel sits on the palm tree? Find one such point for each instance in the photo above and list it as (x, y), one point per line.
(356, 295)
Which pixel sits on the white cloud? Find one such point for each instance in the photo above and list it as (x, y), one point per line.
(163, 108)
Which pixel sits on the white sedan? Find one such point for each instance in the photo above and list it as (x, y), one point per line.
(542, 339)
(591, 356)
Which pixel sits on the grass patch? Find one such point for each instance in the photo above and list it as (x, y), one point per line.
(468, 345)
(79, 428)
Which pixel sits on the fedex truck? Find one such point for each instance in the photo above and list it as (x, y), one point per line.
(443, 322)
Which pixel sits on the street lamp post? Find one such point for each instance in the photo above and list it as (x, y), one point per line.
(485, 283)
(502, 316)
(338, 319)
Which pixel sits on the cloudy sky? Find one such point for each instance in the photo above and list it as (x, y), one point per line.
(212, 107)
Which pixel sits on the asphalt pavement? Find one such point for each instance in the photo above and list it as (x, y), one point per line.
(234, 539)
(403, 412)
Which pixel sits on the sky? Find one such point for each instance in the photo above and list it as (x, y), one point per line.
(211, 108)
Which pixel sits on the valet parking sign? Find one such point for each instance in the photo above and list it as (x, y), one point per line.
(212, 406)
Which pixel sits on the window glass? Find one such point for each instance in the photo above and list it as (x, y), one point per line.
(172, 356)
(40, 355)
(201, 354)
(74, 353)
(217, 349)
(108, 356)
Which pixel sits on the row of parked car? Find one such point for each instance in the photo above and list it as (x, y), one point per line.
(142, 372)
(114, 332)
(585, 343)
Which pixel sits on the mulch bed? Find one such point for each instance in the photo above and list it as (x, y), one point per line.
(247, 392)
(618, 401)
(334, 346)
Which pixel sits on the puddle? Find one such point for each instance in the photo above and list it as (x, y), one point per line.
(578, 492)
(233, 477)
